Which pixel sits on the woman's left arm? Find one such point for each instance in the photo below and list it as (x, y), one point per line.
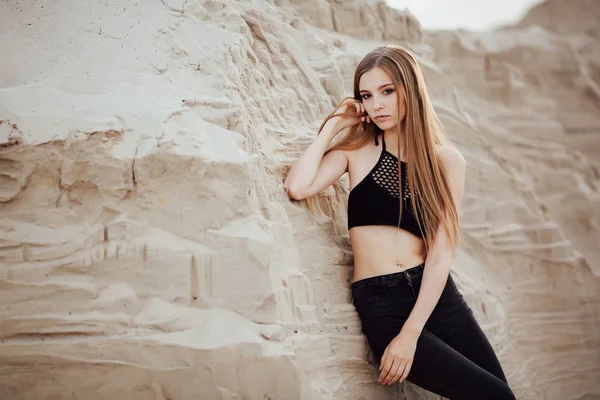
(435, 275)
(439, 258)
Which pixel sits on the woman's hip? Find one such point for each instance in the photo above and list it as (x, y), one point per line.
(386, 294)
(384, 302)
(388, 300)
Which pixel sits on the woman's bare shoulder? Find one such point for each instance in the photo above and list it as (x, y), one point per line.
(362, 153)
(451, 160)
(449, 155)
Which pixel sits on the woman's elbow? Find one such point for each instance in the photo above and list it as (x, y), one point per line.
(296, 193)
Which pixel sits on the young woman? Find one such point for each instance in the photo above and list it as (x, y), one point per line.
(407, 184)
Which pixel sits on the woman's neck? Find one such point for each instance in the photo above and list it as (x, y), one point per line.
(392, 137)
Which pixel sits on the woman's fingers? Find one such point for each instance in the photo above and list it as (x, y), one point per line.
(398, 373)
(360, 111)
(394, 372)
(386, 371)
(406, 371)
(367, 119)
(383, 359)
(386, 364)
(388, 375)
(359, 107)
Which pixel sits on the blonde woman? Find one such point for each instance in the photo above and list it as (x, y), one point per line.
(406, 189)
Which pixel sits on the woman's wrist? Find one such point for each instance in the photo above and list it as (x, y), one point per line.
(331, 128)
(411, 330)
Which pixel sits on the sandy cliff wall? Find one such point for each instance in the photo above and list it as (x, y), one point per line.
(149, 252)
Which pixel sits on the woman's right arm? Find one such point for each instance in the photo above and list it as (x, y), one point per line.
(313, 172)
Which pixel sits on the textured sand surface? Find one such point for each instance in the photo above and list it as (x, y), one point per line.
(148, 250)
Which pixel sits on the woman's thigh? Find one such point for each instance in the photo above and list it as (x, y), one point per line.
(469, 339)
(454, 323)
(383, 310)
(439, 368)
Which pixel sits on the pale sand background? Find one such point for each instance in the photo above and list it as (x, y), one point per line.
(148, 249)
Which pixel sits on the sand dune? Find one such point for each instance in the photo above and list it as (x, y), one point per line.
(149, 251)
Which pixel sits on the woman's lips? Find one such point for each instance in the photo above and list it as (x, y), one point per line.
(381, 118)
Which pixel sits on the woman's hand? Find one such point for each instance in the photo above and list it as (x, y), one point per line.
(350, 112)
(398, 358)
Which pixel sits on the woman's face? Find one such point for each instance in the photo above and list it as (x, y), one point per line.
(380, 98)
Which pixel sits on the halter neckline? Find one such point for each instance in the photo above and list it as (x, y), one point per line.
(385, 151)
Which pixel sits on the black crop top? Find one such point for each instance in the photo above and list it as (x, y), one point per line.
(375, 200)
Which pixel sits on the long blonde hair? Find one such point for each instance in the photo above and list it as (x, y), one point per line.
(429, 189)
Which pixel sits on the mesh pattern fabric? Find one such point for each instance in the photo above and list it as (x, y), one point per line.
(386, 176)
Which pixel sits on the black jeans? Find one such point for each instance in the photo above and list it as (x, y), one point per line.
(453, 358)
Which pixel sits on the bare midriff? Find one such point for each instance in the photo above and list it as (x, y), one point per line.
(377, 252)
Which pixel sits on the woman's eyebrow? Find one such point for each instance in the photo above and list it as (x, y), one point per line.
(382, 86)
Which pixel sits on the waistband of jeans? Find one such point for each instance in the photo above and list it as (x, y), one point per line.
(384, 280)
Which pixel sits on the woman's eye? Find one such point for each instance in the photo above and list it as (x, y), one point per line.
(385, 91)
